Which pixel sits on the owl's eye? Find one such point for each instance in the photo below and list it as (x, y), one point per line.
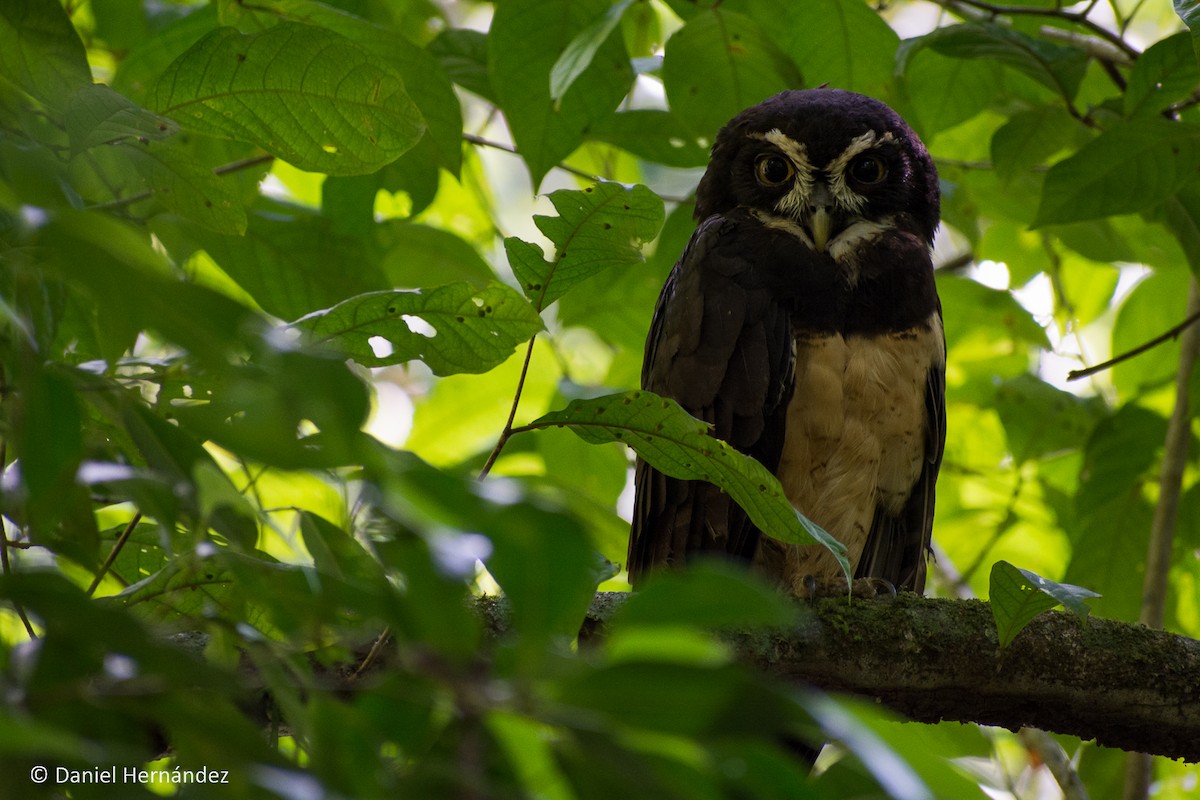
(867, 170)
(772, 170)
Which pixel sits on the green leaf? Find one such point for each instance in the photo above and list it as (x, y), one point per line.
(709, 594)
(1042, 421)
(653, 135)
(463, 54)
(424, 80)
(417, 254)
(844, 43)
(544, 563)
(187, 187)
(1189, 12)
(1166, 72)
(1056, 67)
(283, 260)
(96, 115)
(526, 39)
(1128, 168)
(1030, 137)
(1018, 595)
(40, 51)
(946, 91)
(453, 328)
(679, 445)
(597, 228)
(306, 94)
(718, 64)
(582, 49)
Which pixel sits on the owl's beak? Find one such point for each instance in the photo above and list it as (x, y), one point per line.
(820, 224)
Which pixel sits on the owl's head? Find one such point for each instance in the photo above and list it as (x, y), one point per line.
(823, 159)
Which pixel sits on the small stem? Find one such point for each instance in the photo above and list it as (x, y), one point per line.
(508, 431)
(224, 169)
(116, 550)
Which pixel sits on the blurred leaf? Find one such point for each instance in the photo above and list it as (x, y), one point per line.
(1030, 137)
(355, 116)
(1132, 166)
(463, 55)
(337, 553)
(597, 228)
(139, 71)
(419, 254)
(1155, 304)
(186, 187)
(1041, 420)
(41, 52)
(544, 562)
(582, 49)
(283, 261)
(710, 594)
(1018, 595)
(526, 38)
(654, 135)
(719, 63)
(452, 328)
(677, 444)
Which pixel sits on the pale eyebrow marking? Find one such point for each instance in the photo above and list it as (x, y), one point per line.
(798, 197)
(836, 169)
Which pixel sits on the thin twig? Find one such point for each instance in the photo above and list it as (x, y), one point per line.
(1139, 768)
(224, 169)
(1190, 320)
(507, 148)
(116, 551)
(5, 565)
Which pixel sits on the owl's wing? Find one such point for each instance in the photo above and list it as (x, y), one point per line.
(896, 545)
(720, 345)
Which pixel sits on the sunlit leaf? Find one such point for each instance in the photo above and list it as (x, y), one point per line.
(306, 94)
(582, 49)
(677, 444)
(452, 328)
(597, 228)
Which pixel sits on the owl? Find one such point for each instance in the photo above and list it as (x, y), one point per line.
(802, 322)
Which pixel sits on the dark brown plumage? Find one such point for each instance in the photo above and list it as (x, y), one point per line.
(802, 321)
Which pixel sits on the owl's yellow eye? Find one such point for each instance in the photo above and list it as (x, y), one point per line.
(773, 170)
(867, 170)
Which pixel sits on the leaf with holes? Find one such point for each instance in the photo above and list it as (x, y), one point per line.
(677, 444)
(597, 228)
(306, 94)
(1018, 595)
(453, 328)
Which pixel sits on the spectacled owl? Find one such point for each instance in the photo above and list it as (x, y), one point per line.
(802, 322)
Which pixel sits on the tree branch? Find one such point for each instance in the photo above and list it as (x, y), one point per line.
(935, 659)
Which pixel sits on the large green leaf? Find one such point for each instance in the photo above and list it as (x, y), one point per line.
(453, 328)
(1129, 168)
(1040, 420)
(41, 52)
(597, 228)
(424, 80)
(677, 444)
(306, 94)
(844, 43)
(526, 39)
(718, 64)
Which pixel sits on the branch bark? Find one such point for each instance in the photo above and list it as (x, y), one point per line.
(1123, 685)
